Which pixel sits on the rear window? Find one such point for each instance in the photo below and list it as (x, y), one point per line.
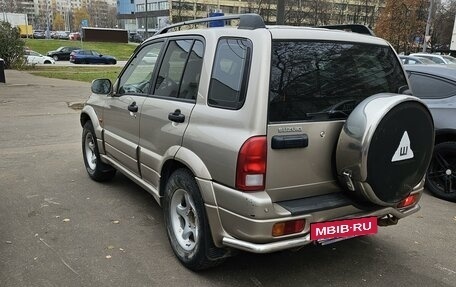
(321, 80)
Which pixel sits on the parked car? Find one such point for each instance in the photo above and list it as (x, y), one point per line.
(39, 34)
(62, 53)
(262, 138)
(436, 86)
(412, 60)
(91, 57)
(33, 57)
(75, 36)
(62, 35)
(135, 37)
(438, 59)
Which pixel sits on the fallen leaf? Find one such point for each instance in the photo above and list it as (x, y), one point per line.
(115, 221)
(66, 220)
(36, 234)
(110, 247)
(121, 249)
(57, 216)
(108, 256)
(8, 242)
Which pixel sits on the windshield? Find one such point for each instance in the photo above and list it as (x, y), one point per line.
(322, 80)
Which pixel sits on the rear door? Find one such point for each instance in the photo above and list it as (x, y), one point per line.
(166, 113)
(121, 115)
(314, 86)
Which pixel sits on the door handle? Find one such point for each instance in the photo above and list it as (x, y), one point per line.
(176, 116)
(133, 107)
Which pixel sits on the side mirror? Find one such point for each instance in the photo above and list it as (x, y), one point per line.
(101, 86)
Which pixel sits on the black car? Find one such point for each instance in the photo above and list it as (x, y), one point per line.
(436, 86)
(62, 53)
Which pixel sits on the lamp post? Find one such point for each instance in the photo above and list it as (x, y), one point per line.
(145, 32)
(428, 26)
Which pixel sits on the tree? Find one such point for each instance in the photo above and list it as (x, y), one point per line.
(402, 23)
(58, 23)
(11, 45)
(79, 15)
(442, 26)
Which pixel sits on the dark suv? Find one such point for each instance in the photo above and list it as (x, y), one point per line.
(262, 139)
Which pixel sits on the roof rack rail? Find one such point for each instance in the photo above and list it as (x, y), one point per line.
(246, 21)
(357, 28)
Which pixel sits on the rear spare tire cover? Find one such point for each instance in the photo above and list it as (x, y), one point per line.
(385, 148)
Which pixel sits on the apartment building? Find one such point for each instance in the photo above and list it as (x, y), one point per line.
(150, 15)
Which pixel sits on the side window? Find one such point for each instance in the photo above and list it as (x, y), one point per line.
(172, 68)
(228, 84)
(191, 77)
(431, 87)
(412, 62)
(137, 76)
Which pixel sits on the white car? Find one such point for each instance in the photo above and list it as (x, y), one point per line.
(438, 59)
(33, 57)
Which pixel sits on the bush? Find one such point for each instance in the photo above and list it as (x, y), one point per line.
(11, 46)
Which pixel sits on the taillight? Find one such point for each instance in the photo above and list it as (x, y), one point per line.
(409, 200)
(288, 227)
(251, 164)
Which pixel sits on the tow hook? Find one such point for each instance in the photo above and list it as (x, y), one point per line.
(387, 220)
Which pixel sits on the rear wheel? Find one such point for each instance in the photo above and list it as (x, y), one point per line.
(55, 57)
(96, 169)
(441, 175)
(186, 223)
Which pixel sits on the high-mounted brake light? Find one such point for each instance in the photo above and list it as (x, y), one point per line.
(251, 164)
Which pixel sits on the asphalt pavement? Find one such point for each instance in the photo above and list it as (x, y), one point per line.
(59, 228)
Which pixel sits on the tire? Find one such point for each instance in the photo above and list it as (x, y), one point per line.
(186, 223)
(55, 57)
(96, 169)
(441, 174)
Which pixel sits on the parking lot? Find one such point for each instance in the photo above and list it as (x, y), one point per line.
(59, 228)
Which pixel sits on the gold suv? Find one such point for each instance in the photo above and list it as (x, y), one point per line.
(262, 138)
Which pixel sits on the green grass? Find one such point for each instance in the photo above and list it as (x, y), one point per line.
(121, 51)
(77, 73)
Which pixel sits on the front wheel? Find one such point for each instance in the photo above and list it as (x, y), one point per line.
(186, 223)
(96, 169)
(441, 175)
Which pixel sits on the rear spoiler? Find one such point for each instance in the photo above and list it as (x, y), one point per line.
(356, 28)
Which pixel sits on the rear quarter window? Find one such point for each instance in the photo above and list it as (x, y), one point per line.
(321, 80)
(228, 83)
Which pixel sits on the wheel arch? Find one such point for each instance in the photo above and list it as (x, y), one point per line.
(89, 114)
(184, 158)
(445, 135)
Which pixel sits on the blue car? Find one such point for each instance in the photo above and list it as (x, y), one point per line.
(91, 57)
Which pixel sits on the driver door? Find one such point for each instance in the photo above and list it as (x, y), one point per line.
(121, 114)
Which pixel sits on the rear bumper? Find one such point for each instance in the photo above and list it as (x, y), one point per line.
(303, 240)
(245, 220)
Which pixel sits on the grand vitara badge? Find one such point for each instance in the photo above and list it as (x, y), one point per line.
(404, 150)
